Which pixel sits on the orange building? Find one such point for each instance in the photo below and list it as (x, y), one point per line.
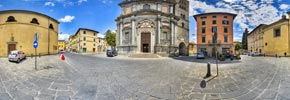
(222, 24)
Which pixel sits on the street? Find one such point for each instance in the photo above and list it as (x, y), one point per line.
(95, 77)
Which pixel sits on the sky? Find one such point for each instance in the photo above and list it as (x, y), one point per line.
(100, 15)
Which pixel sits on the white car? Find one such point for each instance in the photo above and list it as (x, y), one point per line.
(255, 53)
(200, 55)
(16, 55)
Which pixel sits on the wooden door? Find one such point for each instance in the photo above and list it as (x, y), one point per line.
(145, 42)
(11, 47)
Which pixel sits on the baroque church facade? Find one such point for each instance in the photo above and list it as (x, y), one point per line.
(153, 26)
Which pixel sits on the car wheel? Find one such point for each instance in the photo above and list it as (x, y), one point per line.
(18, 60)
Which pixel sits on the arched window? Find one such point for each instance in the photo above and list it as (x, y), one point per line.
(34, 20)
(182, 24)
(146, 6)
(51, 26)
(11, 19)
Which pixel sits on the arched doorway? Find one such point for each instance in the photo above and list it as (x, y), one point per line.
(145, 42)
(182, 49)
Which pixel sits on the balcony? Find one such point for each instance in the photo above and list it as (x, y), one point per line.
(210, 42)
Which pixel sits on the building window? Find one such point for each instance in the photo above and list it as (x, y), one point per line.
(34, 20)
(203, 39)
(225, 38)
(84, 32)
(203, 22)
(146, 6)
(203, 30)
(225, 22)
(277, 32)
(214, 22)
(214, 29)
(51, 26)
(94, 34)
(225, 30)
(182, 24)
(203, 17)
(99, 40)
(225, 16)
(94, 40)
(94, 44)
(84, 38)
(127, 36)
(84, 44)
(213, 16)
(166, 36)
(11, 19)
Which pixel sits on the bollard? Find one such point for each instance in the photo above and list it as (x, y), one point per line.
(285, 54)
(276, 56)
(39, 55)
(31, 56)
(208, 74)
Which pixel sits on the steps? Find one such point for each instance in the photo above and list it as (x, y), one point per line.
(145, 55)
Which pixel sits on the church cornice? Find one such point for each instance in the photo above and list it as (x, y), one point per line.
(148, 12)
(146, 1)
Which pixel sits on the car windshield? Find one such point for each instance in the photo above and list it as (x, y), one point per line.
(13, 52)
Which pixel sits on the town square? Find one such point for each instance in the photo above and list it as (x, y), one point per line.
(144, 50)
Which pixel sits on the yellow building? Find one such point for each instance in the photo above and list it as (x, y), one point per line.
(62, 45)
(192, 48)
(276, 38)
(102, 45)
(17, 29)
(85, 41)
(256, 39)
(71, 45)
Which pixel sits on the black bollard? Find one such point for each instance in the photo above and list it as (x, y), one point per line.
(31, 56)
(39, 55)
(276, 56)
(285, 54)
(208, 74)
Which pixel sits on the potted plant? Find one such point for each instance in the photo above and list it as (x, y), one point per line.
(238, 57)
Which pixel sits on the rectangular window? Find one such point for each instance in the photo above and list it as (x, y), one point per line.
(277, 32)
(214, 29)
(225, 38)
(166, 36)
(84, 44)
(214, 22)
(94, 34)
(127, 36)
(84, 38)
(225, 22)
(203, 30)
(203, 17)
(84, 32)
(94, 44)
(225, 16)
(203, 22)
(94, 40)
(203, 39)
(213, 16)
(225, 30)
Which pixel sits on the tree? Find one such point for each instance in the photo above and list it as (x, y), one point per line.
(111, 38)
(245, 39)
(238, 46)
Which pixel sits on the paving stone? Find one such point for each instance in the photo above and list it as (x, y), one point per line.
(5, 96)
(63, 98)
(269, 94)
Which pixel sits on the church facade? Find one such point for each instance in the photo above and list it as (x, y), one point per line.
(153, 26)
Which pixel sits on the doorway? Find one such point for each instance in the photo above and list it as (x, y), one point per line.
(182, 49)
(145, 42)
(94, 49)
(11, 47)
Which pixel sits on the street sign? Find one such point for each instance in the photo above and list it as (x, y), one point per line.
(35, 44)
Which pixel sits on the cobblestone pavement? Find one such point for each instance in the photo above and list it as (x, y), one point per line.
(95, 77)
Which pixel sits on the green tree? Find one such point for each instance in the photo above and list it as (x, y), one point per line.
(238, 46)
(111, 38)
(245, 39)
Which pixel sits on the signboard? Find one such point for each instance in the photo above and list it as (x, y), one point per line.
(35, 44)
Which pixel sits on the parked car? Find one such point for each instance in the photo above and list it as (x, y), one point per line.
(112, 53)
(200, 55)
(255, 53)
(16, 56)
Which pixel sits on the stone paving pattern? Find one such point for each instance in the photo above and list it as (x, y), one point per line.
(94, 77)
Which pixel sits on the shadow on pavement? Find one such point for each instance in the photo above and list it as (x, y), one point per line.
(206, 60)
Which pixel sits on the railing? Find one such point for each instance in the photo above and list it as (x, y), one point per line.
(211, 42)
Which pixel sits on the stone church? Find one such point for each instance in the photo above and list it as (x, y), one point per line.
(153, 26)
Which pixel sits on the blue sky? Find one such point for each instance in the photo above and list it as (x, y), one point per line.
(100, 15)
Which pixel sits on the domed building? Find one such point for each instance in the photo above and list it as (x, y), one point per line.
(17, 30)
(153, 26)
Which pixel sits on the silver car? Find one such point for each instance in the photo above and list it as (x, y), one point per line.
(16, 55)
(200, 55)
(255, 53)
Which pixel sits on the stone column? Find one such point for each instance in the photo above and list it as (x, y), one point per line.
(158, 28)
(172, 33)
(121, 33)
(133, 30)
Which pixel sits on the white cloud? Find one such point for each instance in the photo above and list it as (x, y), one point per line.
(106, 1)
(80, 1)
(101, 35)
(49, 4)
(67, 18)
(63, 36)
(284, 7)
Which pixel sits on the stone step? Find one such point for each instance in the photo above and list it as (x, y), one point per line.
(144, 55)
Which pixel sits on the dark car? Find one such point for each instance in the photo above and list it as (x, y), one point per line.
(112, 53)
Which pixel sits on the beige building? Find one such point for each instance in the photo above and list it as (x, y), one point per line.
(256, 40)
(103, 45)
(85, 41)
(17, 29)
(62, 45)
